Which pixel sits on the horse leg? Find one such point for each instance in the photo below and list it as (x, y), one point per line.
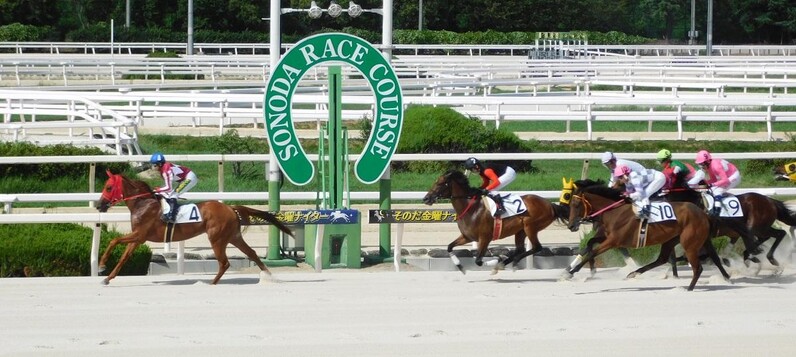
(483, 244)
(519, 250)
(220, 250)
(126, 255)
(536, 246)
(663, 257)
(126, 239)
(778, 235)
(244, 247)
(457, 242)
(714, 257)
(696, 267)
(580, 261)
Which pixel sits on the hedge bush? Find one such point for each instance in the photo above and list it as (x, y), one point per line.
(49, 171)
(428, 129)
(28, 250)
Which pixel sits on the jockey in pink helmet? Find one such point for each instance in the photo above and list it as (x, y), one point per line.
(720, 175)
(640, 186)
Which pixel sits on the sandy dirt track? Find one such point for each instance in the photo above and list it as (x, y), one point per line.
(382, 313)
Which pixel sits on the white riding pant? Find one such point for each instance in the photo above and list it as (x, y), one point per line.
(505, 179)
(659, 179)
(190, 181)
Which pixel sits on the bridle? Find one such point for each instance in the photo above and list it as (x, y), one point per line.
(471, 198)
(588, 207)
(116, 194)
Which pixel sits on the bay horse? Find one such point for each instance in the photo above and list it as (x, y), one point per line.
(476, 223)
(691, 229)
(759, 214)
(220, 221)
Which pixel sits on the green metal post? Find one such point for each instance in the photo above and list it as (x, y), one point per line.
(385, 203)
(335, 142)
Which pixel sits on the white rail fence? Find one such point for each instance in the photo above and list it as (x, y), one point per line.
(98, 218)
(114, 119)
(416, 49)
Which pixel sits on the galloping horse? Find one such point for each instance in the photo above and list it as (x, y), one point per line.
(691, 228)
(759, 214)
(221, 222)
(476, 222)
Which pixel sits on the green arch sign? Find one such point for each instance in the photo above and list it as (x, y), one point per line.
(310, 52)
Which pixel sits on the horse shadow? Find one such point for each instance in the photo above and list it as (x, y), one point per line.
(233, 281)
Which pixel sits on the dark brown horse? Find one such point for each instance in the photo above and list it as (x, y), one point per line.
(759, 214)
(620, 227)
(221, 222)
(476, 223)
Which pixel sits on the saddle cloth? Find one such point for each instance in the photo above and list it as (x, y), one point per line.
(659, 212)
(187, 213)
(730, 206)
(512, 202)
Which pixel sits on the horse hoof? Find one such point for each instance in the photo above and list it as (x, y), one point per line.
(632, 275)
(566, 275)
(105, 281)
(773, 261)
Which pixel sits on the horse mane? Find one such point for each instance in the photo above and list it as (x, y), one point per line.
(141, 185)
(588, 182)
(458, 177)
(603, 190)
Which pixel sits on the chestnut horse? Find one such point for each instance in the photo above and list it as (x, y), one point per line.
(476, 223)
(220, 221)
(691, 229)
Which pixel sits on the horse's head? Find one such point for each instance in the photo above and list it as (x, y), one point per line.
(111, 192)
(445, 186)
(785, 172)
(588, 199)
(579, 209)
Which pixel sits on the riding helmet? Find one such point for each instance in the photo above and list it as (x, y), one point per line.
(472, 162)
(703, 156)
(607, 157)
(621, 170)
(157, 158)
(664, 155)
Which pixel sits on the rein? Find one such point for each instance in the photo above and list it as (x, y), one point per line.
(469, 206)
(600, 211)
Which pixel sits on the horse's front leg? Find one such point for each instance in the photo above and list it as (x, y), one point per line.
(125, 239)
(127, 253)
(457, 242)
(581, 260)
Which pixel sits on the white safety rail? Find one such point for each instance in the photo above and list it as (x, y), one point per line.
(97, 218)
(415, 49)
(120, 112)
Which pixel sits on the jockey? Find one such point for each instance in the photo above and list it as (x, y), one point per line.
(610, 161)
(494, 177)
(720, 175)
(640, 186)
(173, 173)
(675, 171)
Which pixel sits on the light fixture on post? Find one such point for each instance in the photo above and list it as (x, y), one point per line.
(315, 11)
(354, 10)
(334, 9)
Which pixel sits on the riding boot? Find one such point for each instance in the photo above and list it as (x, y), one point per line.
(644, 212)
(716, 210)
(172, 209)
(499, 209)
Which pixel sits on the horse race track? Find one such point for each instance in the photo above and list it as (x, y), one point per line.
(381, 313)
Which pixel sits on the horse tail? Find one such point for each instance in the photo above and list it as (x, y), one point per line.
(561, 212)
(785, 213)
(245, 214)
